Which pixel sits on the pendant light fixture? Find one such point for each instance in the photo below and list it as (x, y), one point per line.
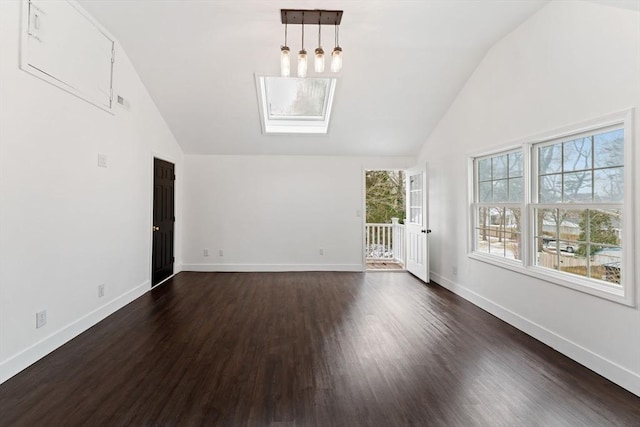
(285, 57)
(336, 55)
(319, 59)
(302, 56)
(310, 16)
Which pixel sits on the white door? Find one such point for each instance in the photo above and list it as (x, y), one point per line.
(417, 242)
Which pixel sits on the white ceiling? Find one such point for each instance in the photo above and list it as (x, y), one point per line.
(404, 63)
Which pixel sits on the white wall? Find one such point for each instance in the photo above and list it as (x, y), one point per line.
(571, 62)
(270, 213)
(66, 225)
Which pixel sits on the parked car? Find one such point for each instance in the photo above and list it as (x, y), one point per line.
(564, 246)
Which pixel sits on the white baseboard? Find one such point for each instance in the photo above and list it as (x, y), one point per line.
(167, 279)
(37, 351)
(608, 369)
(270, 267)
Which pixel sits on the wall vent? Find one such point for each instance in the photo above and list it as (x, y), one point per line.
(124, 103)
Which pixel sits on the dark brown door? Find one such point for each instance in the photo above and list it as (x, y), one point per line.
(163, 220)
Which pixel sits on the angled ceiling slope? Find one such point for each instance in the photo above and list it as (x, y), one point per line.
(404, 63)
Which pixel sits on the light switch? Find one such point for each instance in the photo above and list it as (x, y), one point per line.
(102, 160)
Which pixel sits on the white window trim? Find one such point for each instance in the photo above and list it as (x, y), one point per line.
(623, 294)
(474, 188)
(297, 125)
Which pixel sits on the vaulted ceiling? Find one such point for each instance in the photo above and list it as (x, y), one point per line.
(404, 63)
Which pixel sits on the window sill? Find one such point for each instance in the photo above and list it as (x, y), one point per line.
(613, 293)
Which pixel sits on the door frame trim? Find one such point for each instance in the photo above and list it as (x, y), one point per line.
(177, 267)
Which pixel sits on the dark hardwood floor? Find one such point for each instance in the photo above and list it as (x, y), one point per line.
(308, 349)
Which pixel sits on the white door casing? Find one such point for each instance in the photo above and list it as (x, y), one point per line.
(417, 254)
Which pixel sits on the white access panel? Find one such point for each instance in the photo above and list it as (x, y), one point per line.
(62, 45)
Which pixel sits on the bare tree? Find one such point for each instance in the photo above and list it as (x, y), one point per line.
(385, 196)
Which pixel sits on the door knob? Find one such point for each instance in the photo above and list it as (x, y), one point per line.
(156, 228)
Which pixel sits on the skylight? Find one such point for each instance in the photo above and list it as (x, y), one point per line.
(291, 105)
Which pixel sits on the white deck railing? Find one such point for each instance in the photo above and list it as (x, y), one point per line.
(385, 242)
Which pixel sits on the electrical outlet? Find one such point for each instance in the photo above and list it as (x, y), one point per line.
(101, 290)
(205, 252)
(41, 319)
(454, 270)
(321, 251)
(221, 252)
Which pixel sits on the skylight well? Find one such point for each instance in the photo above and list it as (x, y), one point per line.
(295, 105)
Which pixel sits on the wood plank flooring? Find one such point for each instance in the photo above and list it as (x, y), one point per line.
(308, 349)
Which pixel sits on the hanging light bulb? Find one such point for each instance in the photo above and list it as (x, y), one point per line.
(336, 56)
(319, 59)
(285, 57)
(302, 56)
(302, 63)
(336, 59)
(285, 62)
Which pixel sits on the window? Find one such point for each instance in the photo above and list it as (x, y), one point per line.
(498, 204)
(291, 105)
(579, 204)
(415, 199)
(557, 208)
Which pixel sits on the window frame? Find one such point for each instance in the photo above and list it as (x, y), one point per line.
(294, 125)
(623, 293)
(476, 203)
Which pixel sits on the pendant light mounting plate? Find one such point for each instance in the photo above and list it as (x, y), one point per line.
(311, 16)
